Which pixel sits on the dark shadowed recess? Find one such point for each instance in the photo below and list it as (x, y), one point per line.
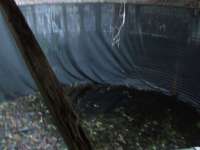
(143, 106)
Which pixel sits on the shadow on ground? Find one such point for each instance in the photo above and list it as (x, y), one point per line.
(126, 119)
(114, 118)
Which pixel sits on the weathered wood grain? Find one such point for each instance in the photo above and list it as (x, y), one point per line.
(178, 3)
(59, 105)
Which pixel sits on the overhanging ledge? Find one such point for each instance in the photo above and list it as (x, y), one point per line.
(172, 3)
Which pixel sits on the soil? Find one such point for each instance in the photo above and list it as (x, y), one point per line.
(128, 119)
(114, 118)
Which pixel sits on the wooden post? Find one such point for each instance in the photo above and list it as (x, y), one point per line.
(58, 104)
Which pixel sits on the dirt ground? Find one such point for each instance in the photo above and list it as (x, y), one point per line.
(115, 119)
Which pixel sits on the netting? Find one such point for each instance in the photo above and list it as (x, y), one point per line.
(157, 47)
(106, 49)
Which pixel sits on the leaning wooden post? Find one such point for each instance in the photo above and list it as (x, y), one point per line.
(58, 104)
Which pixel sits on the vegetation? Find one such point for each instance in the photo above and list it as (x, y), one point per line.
(139, 121)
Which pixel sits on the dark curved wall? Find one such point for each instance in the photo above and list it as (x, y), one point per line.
(159, 48)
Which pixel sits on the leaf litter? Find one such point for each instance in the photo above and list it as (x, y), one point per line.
(25, 124)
